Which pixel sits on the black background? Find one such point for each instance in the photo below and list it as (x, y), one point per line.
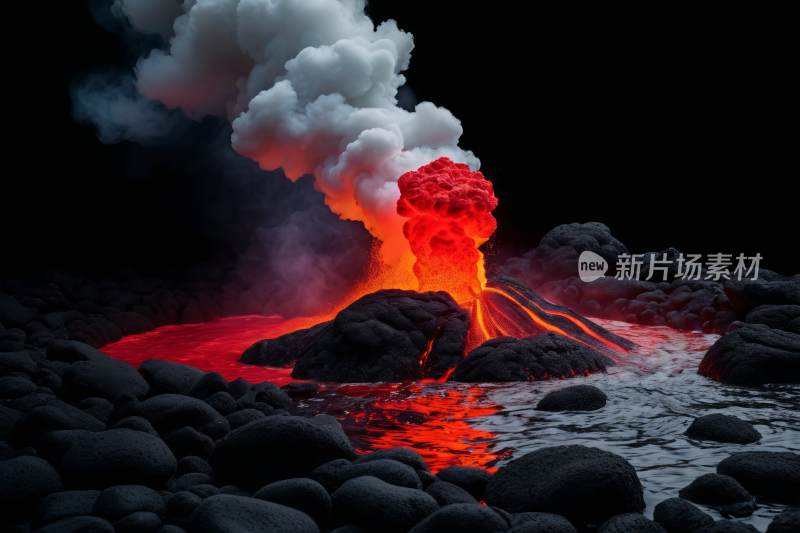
(672, 128)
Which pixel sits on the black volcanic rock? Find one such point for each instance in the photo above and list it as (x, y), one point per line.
(226, 513)
(754, 355)
(774, 475)
(114, 457)
(533, 358)
(723, 428)
(463, 518)
(54, 415)
(171, 412)
(785, 317)
(630, 523)
(679, 516)
(376, 505)
(131, 323)
(556, 256)
(553, 479)
(66, 504)
(406, 456)
(721, 492)
(540, 523)
(277, 448)
(471, 479)
(786, 522)
(448, 494)
(283, 351)
(26, 479)
(170, 377)
(769, 289)
(76, 524)
(334, 474)
(574, 398)
(303, 494)
(119, 501)
(391, 336)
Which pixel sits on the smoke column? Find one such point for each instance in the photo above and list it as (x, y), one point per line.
(310, 86)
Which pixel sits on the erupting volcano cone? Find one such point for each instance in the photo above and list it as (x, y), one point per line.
(450, 210)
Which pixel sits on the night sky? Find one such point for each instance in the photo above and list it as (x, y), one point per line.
(671, 128)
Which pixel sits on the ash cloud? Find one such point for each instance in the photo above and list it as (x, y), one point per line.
(309, 87)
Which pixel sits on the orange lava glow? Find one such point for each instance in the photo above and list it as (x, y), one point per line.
(449, 208)
(490, 319)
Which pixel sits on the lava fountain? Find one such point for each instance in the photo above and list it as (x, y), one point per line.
(450, 211)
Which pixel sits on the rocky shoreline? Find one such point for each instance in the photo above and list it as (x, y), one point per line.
(91, 444)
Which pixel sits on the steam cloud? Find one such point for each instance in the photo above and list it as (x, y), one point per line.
(310, 86)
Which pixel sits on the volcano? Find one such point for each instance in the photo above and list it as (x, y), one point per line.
(395, 335)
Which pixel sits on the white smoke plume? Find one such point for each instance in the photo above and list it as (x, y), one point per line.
(309, 85)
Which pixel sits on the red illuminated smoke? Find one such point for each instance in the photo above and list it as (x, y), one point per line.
(450, 210)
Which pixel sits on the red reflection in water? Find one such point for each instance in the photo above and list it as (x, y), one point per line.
(383, 415)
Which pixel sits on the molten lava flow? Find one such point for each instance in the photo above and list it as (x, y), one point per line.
(508, 308)
(449, 207)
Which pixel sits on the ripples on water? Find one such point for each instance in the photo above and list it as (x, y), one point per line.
(654, 394)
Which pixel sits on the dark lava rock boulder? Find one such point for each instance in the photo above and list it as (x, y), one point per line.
(679, 516)
(391, 336)
(168, 377)
(53, 415)
(245, 416)
(13, 314)
(194, 465)
(462, 518)
(182, 503)
(66, 504)
(117, 502)
(303, 494)
(729, 526)
(26, 479)
(334, 474)
(283, 351)
(722, 493)
(101, 376)
(575, 398)
(188, 441)
(553, 479)
(775, 475)
(471, 479)
(114, 457)
(78, 524)
(402, 455)
(138, 522)
(723, 428)
(225, 514)
(786, 522)
(448, 494)
(279, 447)
(209, 384)
(754, 355)
(540, 523)
(769, 289)
(17, 362)
(533, 358)
(785, 317)
(378, 506)
(630, 523)
(170, 412)
(556, 257)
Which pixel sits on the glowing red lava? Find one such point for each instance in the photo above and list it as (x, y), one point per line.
(449, 207)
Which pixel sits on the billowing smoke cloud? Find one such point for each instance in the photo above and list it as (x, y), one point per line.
(308, 86)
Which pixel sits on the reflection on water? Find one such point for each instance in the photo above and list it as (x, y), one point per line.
(654, 394)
